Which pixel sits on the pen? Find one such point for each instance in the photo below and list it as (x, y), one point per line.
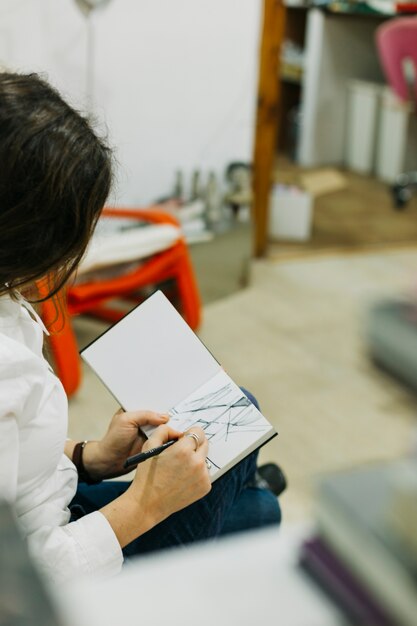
(142, 456)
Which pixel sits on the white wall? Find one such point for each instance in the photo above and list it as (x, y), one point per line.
(175, 80)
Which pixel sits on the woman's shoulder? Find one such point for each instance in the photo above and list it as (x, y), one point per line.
(17, 358)
(22, 378)
(20, 336)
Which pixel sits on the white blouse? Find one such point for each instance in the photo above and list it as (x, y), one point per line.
(35, 474)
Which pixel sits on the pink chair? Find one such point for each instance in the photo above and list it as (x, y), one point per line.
(396, 42)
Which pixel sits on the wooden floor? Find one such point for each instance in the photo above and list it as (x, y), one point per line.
(360, 216)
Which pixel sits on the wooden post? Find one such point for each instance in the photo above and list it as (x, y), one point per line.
(267, 118)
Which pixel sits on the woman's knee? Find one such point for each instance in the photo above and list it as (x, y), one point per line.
(251, 397)
(256, 508)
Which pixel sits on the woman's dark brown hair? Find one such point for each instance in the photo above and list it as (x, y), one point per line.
(55, 176)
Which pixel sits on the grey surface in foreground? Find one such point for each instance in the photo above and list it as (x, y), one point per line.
(249, 579)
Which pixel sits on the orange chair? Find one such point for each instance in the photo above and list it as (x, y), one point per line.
(170, 268)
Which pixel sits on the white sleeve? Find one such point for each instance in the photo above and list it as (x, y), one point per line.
(61, 549)
(9, 450)
(13, 392)
(87, 546)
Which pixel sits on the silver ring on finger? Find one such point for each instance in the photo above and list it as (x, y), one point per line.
(196, 439)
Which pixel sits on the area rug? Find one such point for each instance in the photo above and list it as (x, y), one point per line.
(297, 339)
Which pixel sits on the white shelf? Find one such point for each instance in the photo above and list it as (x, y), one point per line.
(338, 48)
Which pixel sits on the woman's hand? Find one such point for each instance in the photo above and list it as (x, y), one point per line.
(105, 458)
(162, 485)
(175, 478)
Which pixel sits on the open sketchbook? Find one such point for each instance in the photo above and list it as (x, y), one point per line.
(151, 359)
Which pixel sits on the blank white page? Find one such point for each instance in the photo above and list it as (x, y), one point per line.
(151, 359)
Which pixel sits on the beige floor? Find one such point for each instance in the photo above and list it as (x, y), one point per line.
(294, 338)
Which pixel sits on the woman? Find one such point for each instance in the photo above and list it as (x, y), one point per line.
(55, 176)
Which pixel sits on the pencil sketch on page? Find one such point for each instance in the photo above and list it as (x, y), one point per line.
(227, 416)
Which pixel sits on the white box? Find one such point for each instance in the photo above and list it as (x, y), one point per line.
(393, 130)
(290, 213)
(363, 107)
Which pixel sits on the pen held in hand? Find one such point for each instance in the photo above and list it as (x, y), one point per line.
(143, 456)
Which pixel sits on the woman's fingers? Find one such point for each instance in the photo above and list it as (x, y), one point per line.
(153, 418)
(196, 438)
(144, 418)
(161, 435)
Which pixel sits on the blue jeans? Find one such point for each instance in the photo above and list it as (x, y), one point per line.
(231, 506)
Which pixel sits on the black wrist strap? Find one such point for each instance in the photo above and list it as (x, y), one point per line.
(77, 459)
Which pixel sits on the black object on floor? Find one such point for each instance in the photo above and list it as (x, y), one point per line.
(270, 476)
